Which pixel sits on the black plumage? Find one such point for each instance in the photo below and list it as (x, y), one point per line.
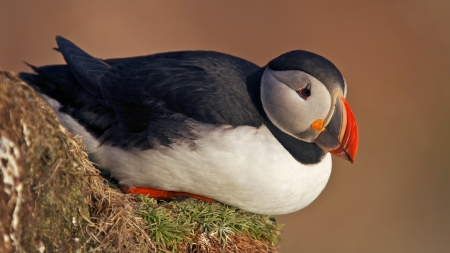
(313, 64)
(128, 101)
(142, 102)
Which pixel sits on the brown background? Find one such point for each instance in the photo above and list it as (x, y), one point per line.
(395, 56)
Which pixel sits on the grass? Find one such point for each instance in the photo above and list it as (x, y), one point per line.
(172, 223)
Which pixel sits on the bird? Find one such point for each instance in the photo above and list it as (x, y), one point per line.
(206, 124)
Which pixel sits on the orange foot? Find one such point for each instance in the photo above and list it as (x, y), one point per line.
(161, 194)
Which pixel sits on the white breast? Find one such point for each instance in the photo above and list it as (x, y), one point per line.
(245, 167)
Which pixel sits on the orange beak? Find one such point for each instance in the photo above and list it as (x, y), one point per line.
(340, 136)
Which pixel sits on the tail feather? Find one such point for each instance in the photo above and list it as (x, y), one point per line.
(86, 68)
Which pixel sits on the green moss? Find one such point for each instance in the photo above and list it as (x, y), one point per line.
(171, 223)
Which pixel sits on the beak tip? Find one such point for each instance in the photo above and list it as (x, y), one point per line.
(344, 154)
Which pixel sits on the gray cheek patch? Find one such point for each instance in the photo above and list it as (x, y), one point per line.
(279, 102)
(286, 109)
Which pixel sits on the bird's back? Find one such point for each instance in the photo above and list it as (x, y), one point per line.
(140, 102)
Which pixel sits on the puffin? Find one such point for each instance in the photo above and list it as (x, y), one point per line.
(206, 124)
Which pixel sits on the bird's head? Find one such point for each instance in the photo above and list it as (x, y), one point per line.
(303, 94)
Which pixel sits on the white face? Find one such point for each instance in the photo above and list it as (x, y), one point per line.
(287, 106)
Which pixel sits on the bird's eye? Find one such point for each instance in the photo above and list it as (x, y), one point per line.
(305, 92)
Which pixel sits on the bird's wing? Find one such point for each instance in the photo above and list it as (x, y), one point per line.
(137, 99)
